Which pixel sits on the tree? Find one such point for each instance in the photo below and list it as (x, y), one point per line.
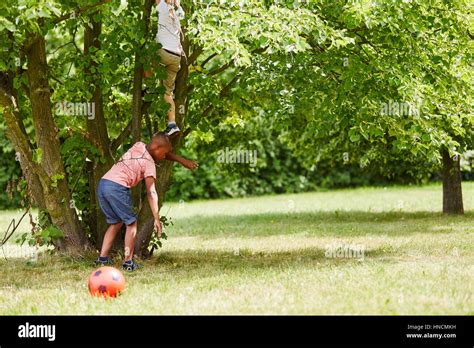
(397, 98)
(381, 84)
(222, 43)
(43, 66)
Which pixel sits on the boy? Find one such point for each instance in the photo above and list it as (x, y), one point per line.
(169, 36)
(115, 198)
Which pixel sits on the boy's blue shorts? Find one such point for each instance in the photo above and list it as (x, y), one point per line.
(115, 201)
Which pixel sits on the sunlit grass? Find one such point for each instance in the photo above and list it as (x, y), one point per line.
(268, 255)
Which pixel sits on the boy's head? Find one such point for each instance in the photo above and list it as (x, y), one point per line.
(159, 146)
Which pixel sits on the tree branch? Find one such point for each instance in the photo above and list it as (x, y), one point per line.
(196, 53)
(208, 59)
(222, 94)
(138, 75)
(79, 11)
(258, 50)
(115, 144)
(221, 69)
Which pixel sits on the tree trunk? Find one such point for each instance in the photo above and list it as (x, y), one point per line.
(452, 190)
(56, 192)
(145, 218)
(137, 95)
(97, 129)
(17, 135)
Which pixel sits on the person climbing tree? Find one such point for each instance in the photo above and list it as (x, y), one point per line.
(169, 36)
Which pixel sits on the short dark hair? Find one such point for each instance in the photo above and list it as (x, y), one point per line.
(161, 137)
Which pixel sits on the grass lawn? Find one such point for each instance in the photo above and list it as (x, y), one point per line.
(269, 255)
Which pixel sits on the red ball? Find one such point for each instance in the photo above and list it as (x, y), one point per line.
(106, 282)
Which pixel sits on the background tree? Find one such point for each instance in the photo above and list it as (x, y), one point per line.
(397, 98)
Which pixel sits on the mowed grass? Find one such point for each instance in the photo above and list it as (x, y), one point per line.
(268, 255)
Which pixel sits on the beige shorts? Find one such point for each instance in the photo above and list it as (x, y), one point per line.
(173, 64)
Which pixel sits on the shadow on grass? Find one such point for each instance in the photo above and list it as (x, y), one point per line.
(227, 260)
(57, 272)
(337, 223)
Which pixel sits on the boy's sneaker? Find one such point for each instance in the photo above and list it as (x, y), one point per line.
(172, 129)
(130, 266)
(103, 261)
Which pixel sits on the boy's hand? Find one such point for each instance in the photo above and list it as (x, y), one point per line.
(183, 161)
(159, 229)
(189, 164)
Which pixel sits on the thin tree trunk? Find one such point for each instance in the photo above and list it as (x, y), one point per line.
(145, 218)
(97, 129)
(17, 135)
(137, 96)
(452, 189)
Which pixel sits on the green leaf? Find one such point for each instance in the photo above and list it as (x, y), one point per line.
(37, 155)
(6, 24)
(55, 178)
(55, 233)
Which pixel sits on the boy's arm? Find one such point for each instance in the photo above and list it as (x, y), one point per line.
(153, 201)
(181, 160)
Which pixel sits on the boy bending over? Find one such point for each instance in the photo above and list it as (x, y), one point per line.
(114, 192)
